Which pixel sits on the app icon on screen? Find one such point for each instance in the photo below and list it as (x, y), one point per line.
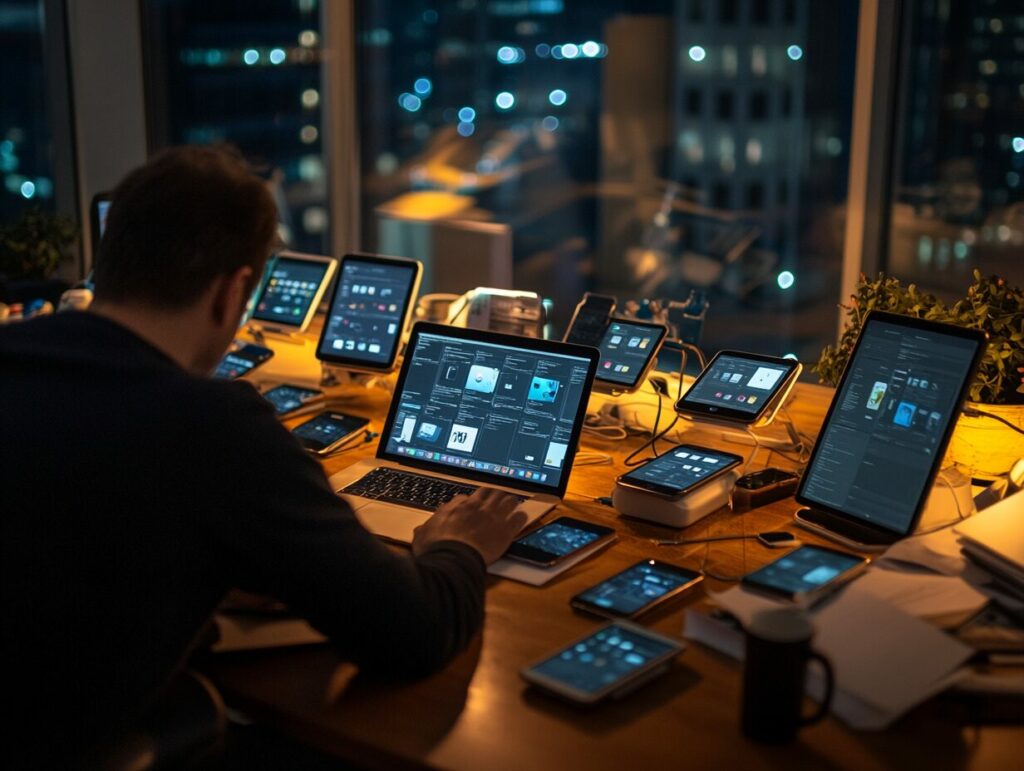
(543, 389)
(462, 438)
(482, 379)
(765, 378)
(877, 393)
(905, 414)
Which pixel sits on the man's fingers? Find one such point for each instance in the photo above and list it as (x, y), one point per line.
(517, 522)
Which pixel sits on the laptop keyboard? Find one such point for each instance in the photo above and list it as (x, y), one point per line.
(416, 490)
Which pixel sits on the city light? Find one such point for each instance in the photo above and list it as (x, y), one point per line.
(251, 56)
(28, 188)
(557, 97)
(1018, 144)
(796, 53)
(277, 55)
(785, 279)
(308, 134)
(543, 50)
(310, 98)
(466, 128)
(550, 123)
(467, 114)
(410, 102)
(570, 50)
(590, 49)
(423, 86)
(507, 55)
(308, 38)
(697, 53)
(504, 100)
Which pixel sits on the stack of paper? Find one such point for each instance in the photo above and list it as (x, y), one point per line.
(994, 539)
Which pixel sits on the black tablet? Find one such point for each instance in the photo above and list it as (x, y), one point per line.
(887, 428)
(739, 387)
(369, 311)
(629, 349)
(292, 289)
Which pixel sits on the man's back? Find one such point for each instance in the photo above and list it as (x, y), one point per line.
(135, 495)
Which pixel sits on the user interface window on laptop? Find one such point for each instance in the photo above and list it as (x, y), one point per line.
(876, 452)
(504, 411)
(364, 322)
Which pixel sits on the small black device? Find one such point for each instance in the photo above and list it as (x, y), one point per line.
(616, 659)
(777, 539)
(292, 289)
(289, 398)
(558, 540)
(807, 574)
(590, 320)
(98, 209)
(369, 312)
(628, 351)
(887, 429)
(763, 487)
(680, 470)
(327, 431)
(637, 589)
(241, 361)
(738, 387)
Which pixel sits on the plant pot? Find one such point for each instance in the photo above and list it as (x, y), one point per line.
(985, 448)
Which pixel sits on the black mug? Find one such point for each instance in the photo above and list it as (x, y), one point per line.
(778, 649)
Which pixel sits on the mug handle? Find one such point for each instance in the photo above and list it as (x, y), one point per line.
(830, 682)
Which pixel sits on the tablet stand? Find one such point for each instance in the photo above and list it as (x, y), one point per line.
(335, 377)
(260, 332)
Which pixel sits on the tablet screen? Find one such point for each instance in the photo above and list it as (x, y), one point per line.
(887, 427)
(289, 290)
(626, 349)
(737, 385)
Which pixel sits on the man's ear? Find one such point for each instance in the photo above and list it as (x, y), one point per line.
(231, 295)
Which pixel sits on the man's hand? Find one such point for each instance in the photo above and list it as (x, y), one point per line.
(487, 520)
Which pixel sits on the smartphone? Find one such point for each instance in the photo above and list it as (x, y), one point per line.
(763, 487)
(557, 541)
(807, 575)
(680, 470)
(744, 388)
(328, 431)
(590, 320)
(288, 398)
(609, 663)
(241, 361)
(637, 589)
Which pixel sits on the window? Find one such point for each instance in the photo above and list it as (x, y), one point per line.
(958, 170)
(760, 11)
(26, 142)
(582, 128)
(246, 73)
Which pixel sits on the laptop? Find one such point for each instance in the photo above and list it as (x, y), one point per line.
(471, 409)
(886, 432)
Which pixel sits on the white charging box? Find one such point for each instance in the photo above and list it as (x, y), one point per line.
(676, 512)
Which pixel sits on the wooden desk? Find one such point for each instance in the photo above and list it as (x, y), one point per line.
(478, 714)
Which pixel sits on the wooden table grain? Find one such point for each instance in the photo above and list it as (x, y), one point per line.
(478, 714)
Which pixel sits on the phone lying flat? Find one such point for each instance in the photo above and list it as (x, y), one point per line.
(287, 399)
(680, 470)
(557, 541)
(609, 663)
(328, 431)
(807, 575)
(637, 589)
(241, 361)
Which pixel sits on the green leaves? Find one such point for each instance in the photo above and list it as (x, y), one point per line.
(990, 305)
(34, 244)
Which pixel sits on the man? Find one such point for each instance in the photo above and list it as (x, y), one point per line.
(136, 491)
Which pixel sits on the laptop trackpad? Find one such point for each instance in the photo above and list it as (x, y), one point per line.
(390, 521)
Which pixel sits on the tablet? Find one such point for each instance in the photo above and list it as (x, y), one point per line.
(887, 428)
(680, 470)
(292, 289)
(369, 312)
(629, 349)
(740, 387)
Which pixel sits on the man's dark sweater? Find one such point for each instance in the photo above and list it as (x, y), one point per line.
(134, 496)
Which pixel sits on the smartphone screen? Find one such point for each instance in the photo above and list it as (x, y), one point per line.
(590, 321)
(327, 429)
(288, 398)
(557, 540)
(636, 589)
(680, 470)
(804, 571)
(242, 361)
(602, 662)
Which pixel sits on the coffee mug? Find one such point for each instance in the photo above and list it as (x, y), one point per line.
(778, 649)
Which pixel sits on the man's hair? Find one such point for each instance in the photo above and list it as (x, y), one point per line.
(187, 216)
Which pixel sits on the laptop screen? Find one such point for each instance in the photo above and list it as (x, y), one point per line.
(887, 428)
(505, 412)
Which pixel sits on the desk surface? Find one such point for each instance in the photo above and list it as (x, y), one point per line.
(477, 713)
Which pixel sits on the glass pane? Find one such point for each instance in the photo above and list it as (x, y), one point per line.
(637, 148)
(958, 182)
(245, 72)
(26, 144)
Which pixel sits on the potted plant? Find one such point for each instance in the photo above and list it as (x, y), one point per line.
(982, 443)
(31, 249)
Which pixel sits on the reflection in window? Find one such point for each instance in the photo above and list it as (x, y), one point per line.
(627, 182)
(958, 193)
